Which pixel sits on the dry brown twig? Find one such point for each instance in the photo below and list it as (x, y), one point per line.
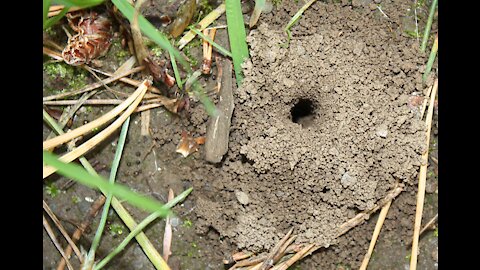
(52, 236)
(207, 51)
(97, 204)
(422, 177)
(376, 232)
(82, 149)
(167, 236)
(63, 232)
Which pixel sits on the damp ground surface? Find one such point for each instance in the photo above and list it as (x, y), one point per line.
(321, 130)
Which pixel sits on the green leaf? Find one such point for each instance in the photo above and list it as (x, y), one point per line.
(79, 3)
(80, 175)
(237, 36)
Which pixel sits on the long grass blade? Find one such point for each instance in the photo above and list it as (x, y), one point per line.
(426, 33)
(431, 59)
(214, 44)
(80, 175)
(106, 207)
(237, 36)
(141, 238)
(294, 20)
(139, 228)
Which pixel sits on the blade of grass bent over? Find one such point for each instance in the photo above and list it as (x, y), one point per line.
(209, 40)
(141, 238)
(237, 36)
(139, 228)
(294, 20)
(106, 206)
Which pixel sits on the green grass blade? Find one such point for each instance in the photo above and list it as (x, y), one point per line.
(79, 3)
(428, 26)
(431, 59)
(80, 175)
(46, 7)
(294, 20)
(140, 228)
(209, 40)
(237, 36)
(51, 21)
(150, 31)
(106, 206)
(141, 238)
(178, 79)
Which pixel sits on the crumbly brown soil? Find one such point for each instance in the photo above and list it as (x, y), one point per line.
(358, 72)
(359, 139)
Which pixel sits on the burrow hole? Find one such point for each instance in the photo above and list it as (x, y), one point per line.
(303, 112)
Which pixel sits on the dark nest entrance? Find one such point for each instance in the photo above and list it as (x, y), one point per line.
(303, 112)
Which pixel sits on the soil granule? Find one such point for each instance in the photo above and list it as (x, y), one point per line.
(321, 130)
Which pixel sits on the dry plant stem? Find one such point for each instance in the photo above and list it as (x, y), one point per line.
(83, 226)
(301, 254)
(268, 263)
(82, 149)
(207, 51)
(93, 85)
(212, 16)
(237, 257)
(283, 249)
(425, 100)
(140, 49)
(145, 122)
(95, 123)
(53, 54)
(63, 231)
(422, 181)
(167, 236)
(55, 10)
(252, 261)
(133, 82)
(376, 232)
(55, 242)
(427, 226)
(360, 218)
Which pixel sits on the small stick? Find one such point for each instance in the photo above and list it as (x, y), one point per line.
(237, 257)
(283, 249)
(212, 16)
(361, 217)
(50, 233)
(86, 146)
(426, 227)
(145, 119)
(55, 10)
(299, 255)
(83, 226)
(422, 182)
(376, 232)
(167, 237)
(269, 261)
(63, 231)
(207, 51)
(95, 123)
(94, 85)
(252, 261)
(425, 100)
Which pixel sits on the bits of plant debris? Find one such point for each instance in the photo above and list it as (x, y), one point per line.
(188, 144)
(93, 38)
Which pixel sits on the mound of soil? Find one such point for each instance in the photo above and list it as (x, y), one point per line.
(321, 130)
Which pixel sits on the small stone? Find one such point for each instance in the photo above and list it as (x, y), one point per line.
(347, 180)
(242, 197)
(382, 131)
